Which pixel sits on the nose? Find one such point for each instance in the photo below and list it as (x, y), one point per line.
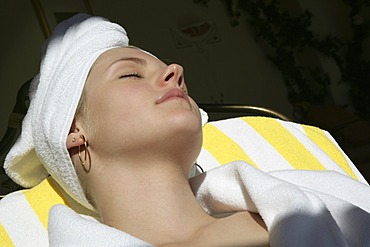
(173, 74)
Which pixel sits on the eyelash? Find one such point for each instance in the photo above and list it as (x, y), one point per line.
(131, 75)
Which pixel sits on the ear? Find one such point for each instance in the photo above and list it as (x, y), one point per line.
(74, 137)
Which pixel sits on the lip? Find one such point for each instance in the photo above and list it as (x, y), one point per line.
(174, 93)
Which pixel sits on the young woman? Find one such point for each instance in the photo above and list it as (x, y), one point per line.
(126, 149)
(144, 134)
(115, 128)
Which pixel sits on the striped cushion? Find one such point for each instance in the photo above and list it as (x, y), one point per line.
(266, 143)
(272, 144)
(24, 214)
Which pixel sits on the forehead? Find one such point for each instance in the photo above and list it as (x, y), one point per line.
(112, 55)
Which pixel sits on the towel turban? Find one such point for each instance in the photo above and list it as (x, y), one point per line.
(54, 93)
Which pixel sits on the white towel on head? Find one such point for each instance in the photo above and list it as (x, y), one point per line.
(55, 92)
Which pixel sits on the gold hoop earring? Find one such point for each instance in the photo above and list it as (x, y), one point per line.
(83, 161)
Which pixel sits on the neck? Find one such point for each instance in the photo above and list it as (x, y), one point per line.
(155, 205)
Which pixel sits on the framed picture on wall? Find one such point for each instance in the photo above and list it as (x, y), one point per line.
(50, 13)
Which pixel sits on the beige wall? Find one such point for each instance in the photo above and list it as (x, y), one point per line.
(19, 51)
(331, 17)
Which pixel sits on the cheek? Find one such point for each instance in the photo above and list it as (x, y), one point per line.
(111, 107)
(108, 100)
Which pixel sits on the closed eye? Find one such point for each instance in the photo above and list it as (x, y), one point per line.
(136, 75)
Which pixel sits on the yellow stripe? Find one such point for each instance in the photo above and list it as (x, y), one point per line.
(4, 237)
(42, 204)
(280, 138)
(222, 147)
(318, 136)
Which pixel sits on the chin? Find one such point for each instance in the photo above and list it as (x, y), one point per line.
(186, 125)
(187, 120)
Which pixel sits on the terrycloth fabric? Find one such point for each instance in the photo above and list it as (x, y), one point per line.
(55, 93)
(272, 144)
(24, 214)
(67, 228)
(204, 116)
(300, 208)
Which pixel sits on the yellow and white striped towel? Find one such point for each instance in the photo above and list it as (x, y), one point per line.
(272, 144)
(24, 214)
(266, 143)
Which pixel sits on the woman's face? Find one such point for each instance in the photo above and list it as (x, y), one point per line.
(135, 102)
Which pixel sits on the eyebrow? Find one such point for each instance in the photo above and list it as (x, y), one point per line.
(136, 60)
